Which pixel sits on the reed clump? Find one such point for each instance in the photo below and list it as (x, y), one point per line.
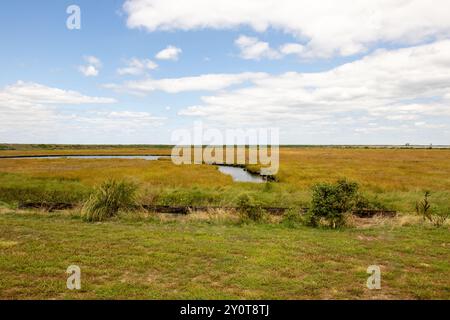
(108, 199)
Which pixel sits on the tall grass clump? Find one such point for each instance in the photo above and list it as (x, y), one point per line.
(108, 199)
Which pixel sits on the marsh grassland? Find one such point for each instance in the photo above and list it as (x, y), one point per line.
(215, 254)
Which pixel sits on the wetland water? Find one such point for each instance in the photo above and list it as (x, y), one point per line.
(238, 174)
(241, 175)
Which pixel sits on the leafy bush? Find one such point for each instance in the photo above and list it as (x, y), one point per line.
(430, 213)
(106, 201)
(332, 201)
(250, 209)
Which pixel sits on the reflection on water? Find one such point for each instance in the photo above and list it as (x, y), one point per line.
(241, 175)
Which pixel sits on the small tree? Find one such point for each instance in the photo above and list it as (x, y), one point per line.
(431, 213)
(423, 207)
(332, 201)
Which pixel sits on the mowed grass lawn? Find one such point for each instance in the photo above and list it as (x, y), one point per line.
(148, 259)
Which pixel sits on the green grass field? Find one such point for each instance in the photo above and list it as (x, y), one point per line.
(157, 259)
(214, 255)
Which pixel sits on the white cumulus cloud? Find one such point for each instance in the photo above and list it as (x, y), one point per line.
(327, 27)
(253, 49)
(30, 93)
(92, 66)
(136, 67)
(399, 86)
(35, 113)
(169, 53)
(205, 82)
(292, 48)
(27, 104)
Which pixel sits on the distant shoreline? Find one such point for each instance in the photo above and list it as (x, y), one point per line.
(18, 146)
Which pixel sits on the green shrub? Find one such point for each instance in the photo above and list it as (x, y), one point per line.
(332, 201)
(250, 209)
(106, 201)
(430, 213)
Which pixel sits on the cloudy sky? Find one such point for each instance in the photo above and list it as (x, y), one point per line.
(322, 71)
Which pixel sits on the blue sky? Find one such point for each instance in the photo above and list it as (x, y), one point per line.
(322, 75)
